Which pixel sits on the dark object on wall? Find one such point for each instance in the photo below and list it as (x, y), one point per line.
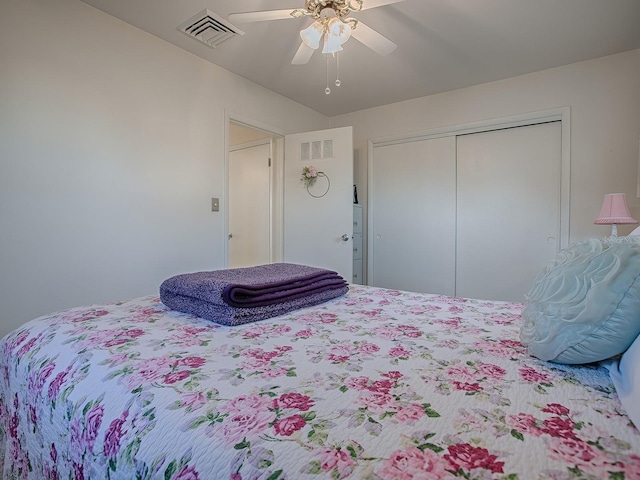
(355, 194)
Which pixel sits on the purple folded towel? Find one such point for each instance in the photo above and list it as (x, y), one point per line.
(242, 295)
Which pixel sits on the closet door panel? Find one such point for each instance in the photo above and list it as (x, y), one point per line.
(508, 209)
(413, 216)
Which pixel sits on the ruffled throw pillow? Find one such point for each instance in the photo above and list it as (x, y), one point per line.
(585, 305)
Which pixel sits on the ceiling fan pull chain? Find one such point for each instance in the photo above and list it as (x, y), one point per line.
(338, 82)
(327, 90)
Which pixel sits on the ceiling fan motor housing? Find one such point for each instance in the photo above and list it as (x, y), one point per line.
(341, 8)
(327, 13)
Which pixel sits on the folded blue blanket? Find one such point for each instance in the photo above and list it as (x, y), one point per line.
(243, 295)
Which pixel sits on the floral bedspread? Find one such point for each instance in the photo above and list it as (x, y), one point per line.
(378, 384)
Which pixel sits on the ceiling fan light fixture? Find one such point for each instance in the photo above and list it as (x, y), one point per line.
(339, 29)
(312, 35)
(331, 45)
(336, 34)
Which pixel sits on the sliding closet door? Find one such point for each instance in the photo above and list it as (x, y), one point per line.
(508, 209)
(412, 205)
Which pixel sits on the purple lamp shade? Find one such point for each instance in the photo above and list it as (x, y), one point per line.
(614, 211)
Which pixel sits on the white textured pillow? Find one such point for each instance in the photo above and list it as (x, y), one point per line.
(585, 305)
(625, 375)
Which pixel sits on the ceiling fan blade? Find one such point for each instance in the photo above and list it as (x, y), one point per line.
(262, 16)
(303, 55)
(367, 4)
(372, 39)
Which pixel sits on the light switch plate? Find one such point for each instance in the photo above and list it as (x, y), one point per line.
(215, 204)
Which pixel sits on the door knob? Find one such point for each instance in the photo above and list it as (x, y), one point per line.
(345, 237)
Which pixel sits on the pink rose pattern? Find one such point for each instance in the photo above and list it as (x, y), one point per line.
(379, 384)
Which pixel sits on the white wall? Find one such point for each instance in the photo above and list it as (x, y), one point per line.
(112, 144)
(111, 147)
(604, 96)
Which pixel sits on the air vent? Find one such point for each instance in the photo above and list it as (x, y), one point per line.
(209, 28)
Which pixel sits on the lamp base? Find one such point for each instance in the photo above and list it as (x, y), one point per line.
(614, 230)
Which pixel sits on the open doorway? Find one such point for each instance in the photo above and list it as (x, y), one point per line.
(318, 229)
(253, 204)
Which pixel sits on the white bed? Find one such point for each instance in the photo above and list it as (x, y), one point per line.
(377, 384)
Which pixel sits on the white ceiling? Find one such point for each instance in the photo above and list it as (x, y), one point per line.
(442, 44)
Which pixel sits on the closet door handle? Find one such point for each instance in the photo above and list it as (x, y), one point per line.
(345, 237)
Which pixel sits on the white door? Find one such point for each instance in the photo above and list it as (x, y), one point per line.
(508, 209)
(413, 216)
(250, 205)
(318, 222)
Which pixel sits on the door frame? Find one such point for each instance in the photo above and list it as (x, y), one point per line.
(277, 176)
(562, 114)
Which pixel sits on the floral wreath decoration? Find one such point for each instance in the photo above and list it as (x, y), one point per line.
(309, 176)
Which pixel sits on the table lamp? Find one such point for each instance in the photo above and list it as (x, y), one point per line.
(614, 212)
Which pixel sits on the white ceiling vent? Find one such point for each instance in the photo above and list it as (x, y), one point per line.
(209, 28)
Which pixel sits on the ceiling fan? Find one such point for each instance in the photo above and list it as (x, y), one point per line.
(331, 23)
